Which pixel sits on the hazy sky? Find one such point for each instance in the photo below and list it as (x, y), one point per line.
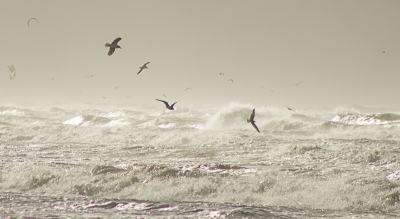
(333, 47)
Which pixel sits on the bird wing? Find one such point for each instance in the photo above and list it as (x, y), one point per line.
(32, 19)
(174, 103)
(254, 125)
(165, 102)
(145, 64)
(140, 70)
(252, 115)
(116, 40)
(111, 51)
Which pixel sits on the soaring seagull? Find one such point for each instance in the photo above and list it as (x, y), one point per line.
(297, 83)
(167, 105)
(291, 109)
(221, 74)
(143, 67)
(251, 120)
(188, 88)
(113, 46)
(12, 71)
(32, 19)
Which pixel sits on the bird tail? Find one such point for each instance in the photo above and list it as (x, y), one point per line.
(108, 45)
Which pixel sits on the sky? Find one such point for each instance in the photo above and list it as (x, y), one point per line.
(334, 48)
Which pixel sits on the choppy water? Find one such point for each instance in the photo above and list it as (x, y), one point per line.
(143, 161)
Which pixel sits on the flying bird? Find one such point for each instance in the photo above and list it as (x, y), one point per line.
(12, 72)
(251, 120)
(32, 19)
(230, 80)
(90, 76)
(143, 67)
(51, 78)
(272, 90)
(261, 87)
(297, 83)
(164, 95)
(188, 88)
(167, 105)
(221, 74)
(113, 46)
(384, 51)
(291, 109)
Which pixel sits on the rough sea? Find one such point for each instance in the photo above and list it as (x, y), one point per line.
(144, 161)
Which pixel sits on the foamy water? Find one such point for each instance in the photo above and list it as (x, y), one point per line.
(200, 163)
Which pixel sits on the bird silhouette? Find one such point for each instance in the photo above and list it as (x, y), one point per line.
(113, 46)
(251, 120)
(167, 105)
(143, 67)
(298, 83)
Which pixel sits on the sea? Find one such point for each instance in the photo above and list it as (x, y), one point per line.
(144, 161)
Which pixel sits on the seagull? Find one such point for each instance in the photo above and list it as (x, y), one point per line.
(113, 46)
(251, 120)
(221, 74)
(230, 80)
(291, 109)
(164, 95)
(143, 67)
(297, 83)
(188, 88)
(167, 105)
(51, 78)
(384, 51)
(12, 72)
(32, 19)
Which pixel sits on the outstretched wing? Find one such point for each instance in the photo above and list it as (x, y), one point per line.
(174, 104)
(140, 70)
(116, 40)
(252, 115)
(111, 51)
(254, 125)
(32, 19)
(165, 102)
(145, 64)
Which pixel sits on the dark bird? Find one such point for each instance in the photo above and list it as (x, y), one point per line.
(32, 19)
(167, 105)
(164, 95)
(384, 51)
(297, 83)
(188, 88)
(251, 120)
(291, 109)
(143, 67)
(230, 80)
(113, 46)
(12, 72)
(221, 74)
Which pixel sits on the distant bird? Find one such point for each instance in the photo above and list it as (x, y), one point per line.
(291, 109)
(221, 74)
(13, 72)
(143, 67)
(384, 51)
(90, 76)
(104, 97)
(297, 83)
(230, 80)
(32, 19)
(116, 87)
(261, 87)
(272, 90)
(51, 78)
(188, 88)
(164, 95)
(167, 105)
(113, 46)
(251, 120)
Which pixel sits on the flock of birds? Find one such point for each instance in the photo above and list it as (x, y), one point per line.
(114, 45)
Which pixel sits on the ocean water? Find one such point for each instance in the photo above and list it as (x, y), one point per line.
(145, 162)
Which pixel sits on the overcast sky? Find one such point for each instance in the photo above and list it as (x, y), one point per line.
(333, 47)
